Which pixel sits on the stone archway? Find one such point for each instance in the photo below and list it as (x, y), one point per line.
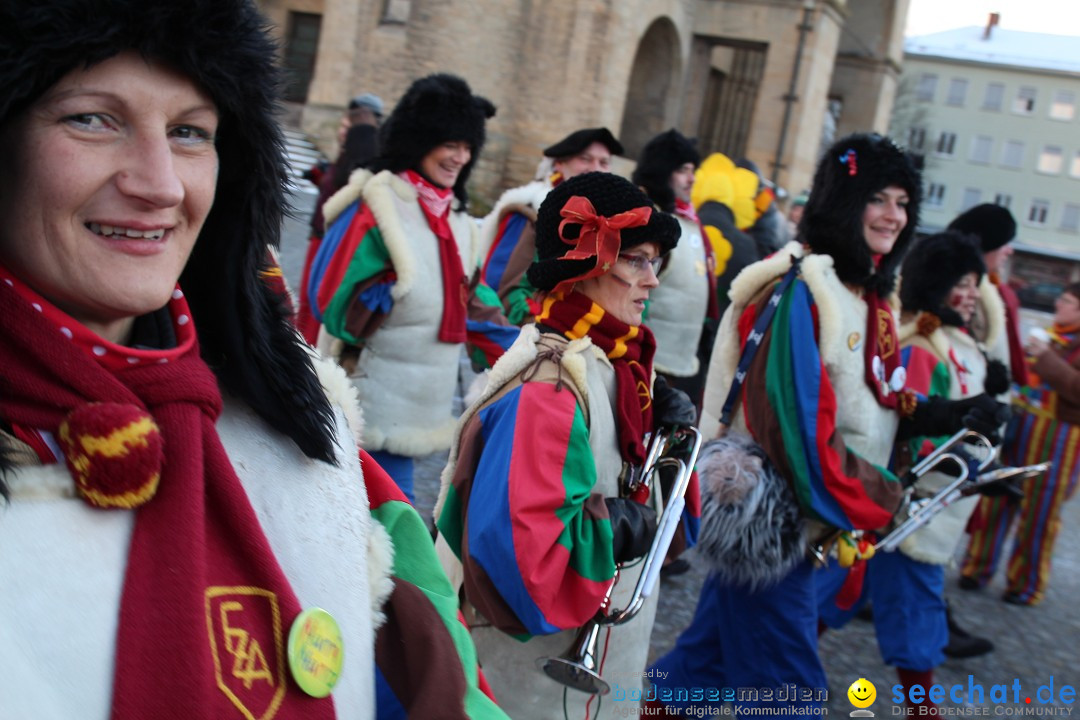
(652, 97)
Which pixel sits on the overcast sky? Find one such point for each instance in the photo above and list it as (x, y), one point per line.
(1061, 17)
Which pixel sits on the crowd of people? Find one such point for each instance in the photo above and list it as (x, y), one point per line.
(207, 479)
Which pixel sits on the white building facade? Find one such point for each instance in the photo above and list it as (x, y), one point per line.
(996, 115)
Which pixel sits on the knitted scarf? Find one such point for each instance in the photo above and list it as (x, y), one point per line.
(630, 349)
(205, 607)
(884, 374)
(435, 202)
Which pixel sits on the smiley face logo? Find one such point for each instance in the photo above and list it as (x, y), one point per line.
(862, 693)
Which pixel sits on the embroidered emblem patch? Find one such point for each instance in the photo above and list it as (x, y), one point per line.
(247, 644)
(886, 340)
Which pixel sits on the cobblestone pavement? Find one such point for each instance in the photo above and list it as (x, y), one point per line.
(1033, 644)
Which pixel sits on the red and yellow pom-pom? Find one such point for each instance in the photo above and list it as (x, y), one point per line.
(927, 323)
(114, 452)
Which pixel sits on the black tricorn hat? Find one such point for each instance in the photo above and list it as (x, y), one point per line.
(994, 225)
(663, 155)
(847, 177)
(435, 109)
(609, 195)
(933, 266)
(578, 140)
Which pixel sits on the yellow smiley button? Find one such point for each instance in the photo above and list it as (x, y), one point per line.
(316, 652)
(862, 693)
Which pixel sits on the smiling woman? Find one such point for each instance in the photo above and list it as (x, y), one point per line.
(393, 280)
(112, 171)
(174, 461)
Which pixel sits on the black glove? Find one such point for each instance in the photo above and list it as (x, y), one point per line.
(671, 406)
(997, 378)
(1008, 489)
(633, 526)
(938, 416)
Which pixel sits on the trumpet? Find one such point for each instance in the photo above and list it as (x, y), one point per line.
(577, 667)
(920, 512)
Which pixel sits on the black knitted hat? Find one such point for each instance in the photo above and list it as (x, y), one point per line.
(244, 329)
(933, 266)
(847, 177)
(578, 140)
(994, 225)
(435, 109)
(663, 155)
(610, 195)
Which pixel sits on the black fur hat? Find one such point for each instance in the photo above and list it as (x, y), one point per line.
(994, 225)
(435, 109)
(609, 195)
(933, 266)
(847, 177)
(663, 155)
(244, 330)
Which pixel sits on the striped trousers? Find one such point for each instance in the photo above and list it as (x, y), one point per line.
(1037, 517)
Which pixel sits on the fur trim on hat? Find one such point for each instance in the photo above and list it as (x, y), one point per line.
(435, 109)
(994, 225)
(663, 155)
(752, 532)
(610, 195)
(934, 265)
(847, 177)
(244, 330)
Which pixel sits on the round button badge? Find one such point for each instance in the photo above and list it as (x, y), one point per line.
(316, 652)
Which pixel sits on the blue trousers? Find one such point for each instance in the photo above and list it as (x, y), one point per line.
(909, 608)
(740, 641)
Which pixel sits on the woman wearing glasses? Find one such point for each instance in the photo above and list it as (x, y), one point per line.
(530, 503)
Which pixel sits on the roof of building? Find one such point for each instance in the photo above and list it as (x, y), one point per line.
(1004, 47)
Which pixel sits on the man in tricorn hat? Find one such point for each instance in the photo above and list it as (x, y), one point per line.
(507, 235)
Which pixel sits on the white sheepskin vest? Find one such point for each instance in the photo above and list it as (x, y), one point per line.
(62, 567)
(406, 377)
(531, 194)
(867, 427)
(936, 542)
(522, 690)
(990, 314)
(677, 307)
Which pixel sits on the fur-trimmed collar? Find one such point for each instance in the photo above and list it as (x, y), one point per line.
(531, 194)
(377, 192)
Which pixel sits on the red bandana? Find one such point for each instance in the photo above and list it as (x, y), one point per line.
(630, 349)
(205, 606)
(884, 374)
(435, 202)
(599, 236)
(686, 210)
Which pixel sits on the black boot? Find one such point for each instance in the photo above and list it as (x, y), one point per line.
(963, 644)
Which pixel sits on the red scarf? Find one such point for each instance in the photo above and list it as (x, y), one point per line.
(630, 349)
(882, 352)
(435, 202)
(197, 554)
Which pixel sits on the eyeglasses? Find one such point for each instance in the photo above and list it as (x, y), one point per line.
(638, 263)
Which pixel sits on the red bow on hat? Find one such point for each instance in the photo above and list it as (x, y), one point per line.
(599, 237)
